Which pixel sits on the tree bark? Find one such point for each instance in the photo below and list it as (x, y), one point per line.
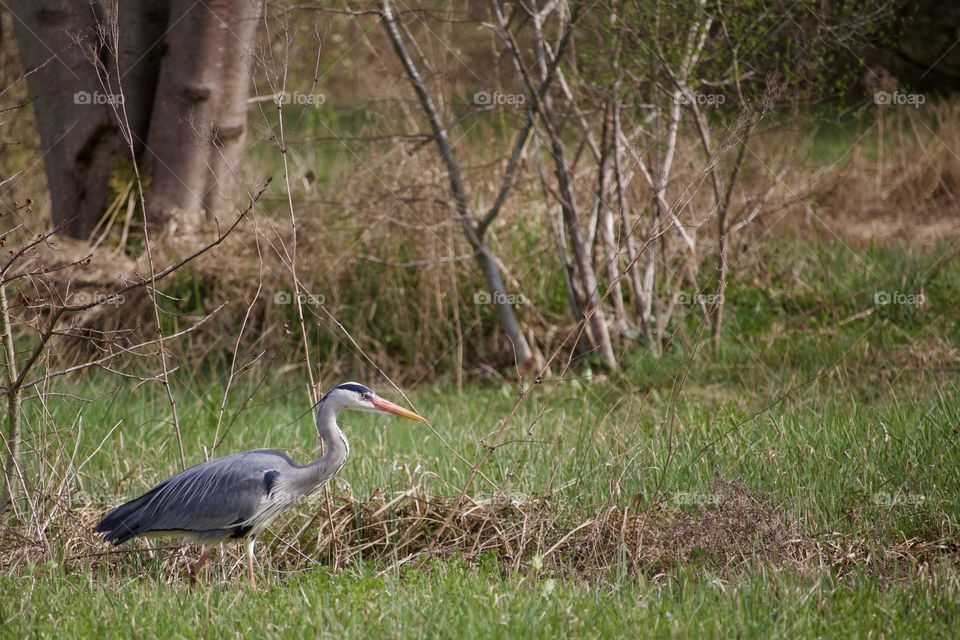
(471, 228)
(581, 253)
(611, 252)
(11, 466)
(635, 279)
(139, 51)
(199, 115)
(542, 105)
(78, 132)
(184, 99)
(233, 76)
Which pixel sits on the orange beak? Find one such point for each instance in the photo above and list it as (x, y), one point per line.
(394, 409)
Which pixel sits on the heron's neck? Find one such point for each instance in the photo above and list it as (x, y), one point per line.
(335, 444)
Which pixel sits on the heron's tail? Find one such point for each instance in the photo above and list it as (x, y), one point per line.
(127, 520)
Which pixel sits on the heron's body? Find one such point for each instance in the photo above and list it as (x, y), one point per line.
(230, 497)
(237, 496)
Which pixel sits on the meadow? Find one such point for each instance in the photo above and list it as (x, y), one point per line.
(765, 444)
(802, 480)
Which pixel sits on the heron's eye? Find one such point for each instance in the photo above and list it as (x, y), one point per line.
(366, 396)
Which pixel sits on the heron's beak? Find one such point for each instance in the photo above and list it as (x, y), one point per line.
(394, 409)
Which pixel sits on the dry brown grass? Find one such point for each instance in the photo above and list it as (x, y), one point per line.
(900, 181)
(737, 529)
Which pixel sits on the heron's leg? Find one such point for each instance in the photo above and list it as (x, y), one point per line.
(195, 573)
(253, 581)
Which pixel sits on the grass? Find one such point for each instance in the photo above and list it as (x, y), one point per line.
(451, 600)
(836, 414)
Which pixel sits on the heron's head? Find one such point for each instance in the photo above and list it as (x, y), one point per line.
(352, 395)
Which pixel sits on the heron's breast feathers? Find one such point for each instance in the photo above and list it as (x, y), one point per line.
(280, 495)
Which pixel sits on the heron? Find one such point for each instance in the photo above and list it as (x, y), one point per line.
(236, 496)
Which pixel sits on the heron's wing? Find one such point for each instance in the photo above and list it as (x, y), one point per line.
(217, 495)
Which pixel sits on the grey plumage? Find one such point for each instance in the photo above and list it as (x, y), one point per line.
(236, 496)
(218, 499)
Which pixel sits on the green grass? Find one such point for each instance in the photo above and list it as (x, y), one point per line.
(848, 425)
(451, 600)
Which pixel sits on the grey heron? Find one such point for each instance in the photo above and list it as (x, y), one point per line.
(236, 496)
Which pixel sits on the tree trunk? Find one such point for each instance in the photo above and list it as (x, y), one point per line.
(183, 91)
(199, 114)
(471, 228)
(79, 135)
(504, 307)
(581, 255)
(141, 28)
(608, 236)
(11, 466)
(633, 259)
(239, 22)
(581, 251)
(611, 255)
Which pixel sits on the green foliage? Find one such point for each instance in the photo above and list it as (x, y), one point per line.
(807, 50)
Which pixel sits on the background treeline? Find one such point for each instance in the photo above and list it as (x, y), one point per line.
(457, 188)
